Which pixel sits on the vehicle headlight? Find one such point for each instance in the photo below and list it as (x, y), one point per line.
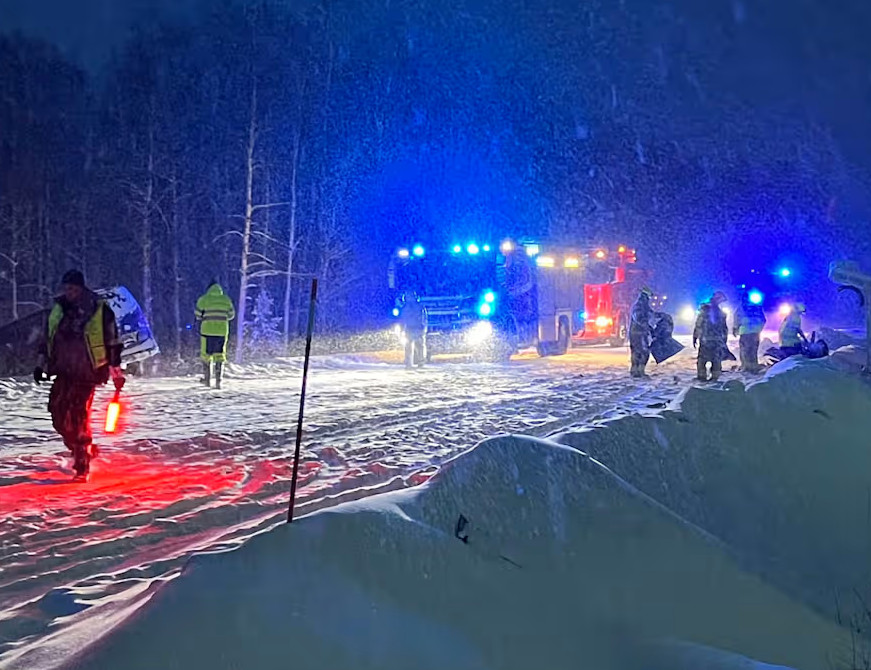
(479, 333)
(603, 322)
(688, 314)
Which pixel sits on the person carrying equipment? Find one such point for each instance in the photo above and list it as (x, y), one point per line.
(81, 350)
(641, 333)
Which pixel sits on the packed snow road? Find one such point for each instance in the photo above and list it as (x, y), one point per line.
(195, 468)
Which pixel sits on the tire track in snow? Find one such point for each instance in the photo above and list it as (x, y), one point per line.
(186, 476)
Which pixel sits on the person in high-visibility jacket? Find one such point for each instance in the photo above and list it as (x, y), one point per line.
(791, 335)
(214, 313)
(748, 326)
(81, 350)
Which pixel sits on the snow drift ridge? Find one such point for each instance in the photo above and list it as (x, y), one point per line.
(524, 554)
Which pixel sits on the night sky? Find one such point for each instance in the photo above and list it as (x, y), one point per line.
(86, 30)
(714, 136)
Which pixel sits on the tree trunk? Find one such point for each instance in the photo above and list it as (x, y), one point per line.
(176, 269)
(13, 277)
(246, 230)
(291, 237)
(147, 232)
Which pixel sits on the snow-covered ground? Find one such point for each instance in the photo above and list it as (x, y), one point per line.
(194, 468)
(729, 530)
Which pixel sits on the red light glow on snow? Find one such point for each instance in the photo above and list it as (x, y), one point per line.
(118, 481)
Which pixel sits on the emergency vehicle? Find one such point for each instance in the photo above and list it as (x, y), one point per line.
(496, 299)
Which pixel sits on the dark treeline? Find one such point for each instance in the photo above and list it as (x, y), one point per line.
(261, 144)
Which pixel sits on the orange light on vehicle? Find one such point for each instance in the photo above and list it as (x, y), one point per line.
(603, 322)
(621, 249)
(600, 254)
(572, 262)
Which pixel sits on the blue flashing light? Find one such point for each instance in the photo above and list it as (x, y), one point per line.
(755, 297)
(486, 248)
(490, 297)
(418, 250)
(785, 272)
(189, 327)
(457, 248)
(583, 316)
(395, 311)
(485, 309)
(473, 249)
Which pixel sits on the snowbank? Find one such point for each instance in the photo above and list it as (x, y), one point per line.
(780, 471)
(559, 564)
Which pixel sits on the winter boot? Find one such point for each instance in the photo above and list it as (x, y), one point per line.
(207, 374)
(219, 373)
(82, 463)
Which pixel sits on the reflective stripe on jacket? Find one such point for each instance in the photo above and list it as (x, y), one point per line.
(95, 335)
(214, 312)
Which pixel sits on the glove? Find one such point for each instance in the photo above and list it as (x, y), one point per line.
(39, 375)
(117, 378)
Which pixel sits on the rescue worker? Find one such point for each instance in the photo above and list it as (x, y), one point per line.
(791, 335)
(214, 313)
(641, 325)
(711, 336)
(81, 350)
(415, 326)
(748, 326)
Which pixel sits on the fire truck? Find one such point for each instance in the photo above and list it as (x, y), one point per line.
(492, 300)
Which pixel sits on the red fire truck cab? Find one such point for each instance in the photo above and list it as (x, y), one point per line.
(607, 304)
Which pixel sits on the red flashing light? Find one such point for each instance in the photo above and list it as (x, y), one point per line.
(113, 414)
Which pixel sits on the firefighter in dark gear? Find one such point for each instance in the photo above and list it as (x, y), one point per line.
(748, 327)
(711, 335)
(81, 350)
(214, 313)
(414, 326)
(791, 334)
(641, 326)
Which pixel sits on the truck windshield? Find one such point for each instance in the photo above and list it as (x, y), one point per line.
(446, 275)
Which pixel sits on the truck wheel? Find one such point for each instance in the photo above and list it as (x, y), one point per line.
(619, 340)
(564, 337)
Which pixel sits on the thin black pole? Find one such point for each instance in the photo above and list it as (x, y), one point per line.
(308, 351)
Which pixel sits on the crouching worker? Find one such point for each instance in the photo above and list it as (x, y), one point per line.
(81, 350)
(214, 313)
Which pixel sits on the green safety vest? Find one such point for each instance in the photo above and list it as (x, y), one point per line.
(95, 336)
